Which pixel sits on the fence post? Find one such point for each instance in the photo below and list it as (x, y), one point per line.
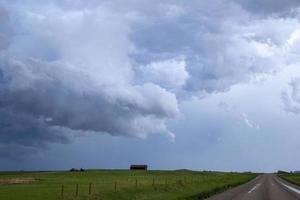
(153, 183)
(136, 183)
(115, 186)
(62, 192)
(166, 181)
(90, 189)
(76, 193)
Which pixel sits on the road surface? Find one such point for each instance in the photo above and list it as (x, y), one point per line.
(263, 187)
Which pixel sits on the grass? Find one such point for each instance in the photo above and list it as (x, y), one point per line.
(121, 185)
(292, 178)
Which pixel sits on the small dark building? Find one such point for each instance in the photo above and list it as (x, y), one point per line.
(73, 170)
(138, 167)
(282, 172)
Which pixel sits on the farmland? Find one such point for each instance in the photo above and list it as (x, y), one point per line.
(117, 184)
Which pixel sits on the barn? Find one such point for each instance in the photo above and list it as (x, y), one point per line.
(138, 167)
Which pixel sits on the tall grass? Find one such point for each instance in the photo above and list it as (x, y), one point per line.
(292, 178)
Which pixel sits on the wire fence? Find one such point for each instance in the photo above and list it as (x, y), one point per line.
(82, 186)
(97, 189)
(91, 190)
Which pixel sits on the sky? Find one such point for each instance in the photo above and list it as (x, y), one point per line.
(203, 85)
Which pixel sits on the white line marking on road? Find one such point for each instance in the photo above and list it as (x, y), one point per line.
(291, 188)
(254, 188)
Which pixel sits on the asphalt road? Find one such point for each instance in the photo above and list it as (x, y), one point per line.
(263, 187)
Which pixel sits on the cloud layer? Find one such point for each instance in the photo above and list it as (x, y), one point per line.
(71, 70)
(269, 6)
(121, 67)
(291, 98)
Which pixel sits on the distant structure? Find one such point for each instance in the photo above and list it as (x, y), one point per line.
(77, 170)
(138, 167)
(282, 172)
(73, 170)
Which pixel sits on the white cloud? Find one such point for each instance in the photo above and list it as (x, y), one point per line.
(174, 11)
(241, 116)
(168, 73)
(248, 122)
(295, 37)
(220, 50)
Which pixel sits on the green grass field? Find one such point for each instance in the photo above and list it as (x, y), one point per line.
(292, 178)
(120, 185)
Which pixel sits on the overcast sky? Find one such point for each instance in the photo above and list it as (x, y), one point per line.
(205, 85)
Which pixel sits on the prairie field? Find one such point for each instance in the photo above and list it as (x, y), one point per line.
(117, 185)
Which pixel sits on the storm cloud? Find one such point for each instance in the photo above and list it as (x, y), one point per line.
(291, 97)
(122, 67)
(270, 6)
(60, 72)
(222, 43)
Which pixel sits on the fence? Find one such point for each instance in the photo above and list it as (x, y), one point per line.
(85, 186)
(69, 191)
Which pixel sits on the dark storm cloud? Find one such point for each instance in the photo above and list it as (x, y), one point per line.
(5, 29)
(266, 7)
(37, 105)
(26, 130)
(53, 86)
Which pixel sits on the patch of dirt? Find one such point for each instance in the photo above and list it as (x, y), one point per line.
(17, 181)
